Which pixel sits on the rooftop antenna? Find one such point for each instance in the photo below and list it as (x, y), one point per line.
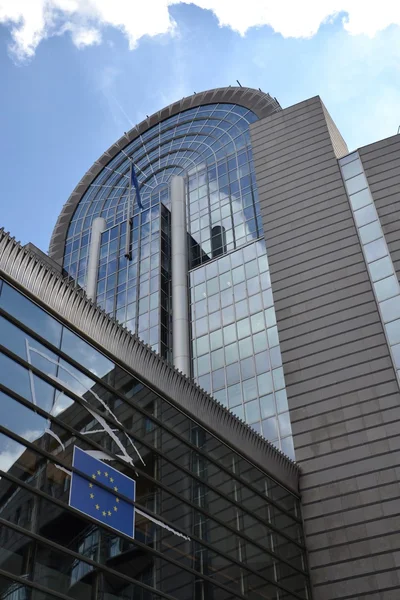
(240, 85)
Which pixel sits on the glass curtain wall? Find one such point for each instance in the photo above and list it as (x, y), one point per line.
(210, 146)
(208, 523)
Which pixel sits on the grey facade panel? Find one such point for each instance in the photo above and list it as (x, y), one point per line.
(342, 392)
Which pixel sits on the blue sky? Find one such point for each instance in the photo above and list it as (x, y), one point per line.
(73, 85)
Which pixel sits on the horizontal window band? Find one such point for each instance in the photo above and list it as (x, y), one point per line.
(157, 553)
(109, 388)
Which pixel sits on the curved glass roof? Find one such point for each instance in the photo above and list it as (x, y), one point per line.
(202, 135)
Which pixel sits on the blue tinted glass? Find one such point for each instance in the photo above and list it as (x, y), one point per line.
(30, 314)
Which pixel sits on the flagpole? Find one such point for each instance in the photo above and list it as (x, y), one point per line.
(128, 253)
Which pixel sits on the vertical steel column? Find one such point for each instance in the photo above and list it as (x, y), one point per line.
(180, 300)
(98, 226)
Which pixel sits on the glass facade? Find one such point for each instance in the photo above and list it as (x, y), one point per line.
(236, 354)
(230, 288)
(376, 253)
(209, 524)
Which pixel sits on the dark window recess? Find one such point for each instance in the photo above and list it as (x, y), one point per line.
(218, 240)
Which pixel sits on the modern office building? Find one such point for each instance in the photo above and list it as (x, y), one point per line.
(194, 163)
(262, 261)
(217, 511)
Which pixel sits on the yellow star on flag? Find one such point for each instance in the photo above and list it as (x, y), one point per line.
(92, 496)
(115, 508)
(115, 488)
(97, 507)
(116, 499)
(109, 513)
(104, 513)
(98, 472)
(90, 485)
(94, 476)
(112, 480)
(105, 474)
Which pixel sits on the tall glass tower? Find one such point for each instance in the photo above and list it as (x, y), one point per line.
(188, 270)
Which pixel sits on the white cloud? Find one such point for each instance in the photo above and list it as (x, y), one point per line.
(31, 21)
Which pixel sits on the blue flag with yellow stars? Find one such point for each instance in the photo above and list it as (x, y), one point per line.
(105, 505)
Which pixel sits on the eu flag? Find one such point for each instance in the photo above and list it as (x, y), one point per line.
(135, 184)
(105, 505)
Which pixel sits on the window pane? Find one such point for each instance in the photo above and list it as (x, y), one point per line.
(262, 362)
(217, 359)
(85, 355)
(232, 373)
(15, 377)
(365, 215)
(396, 355)
(279, 381)
(393, 331)
(349, 158)
(356, 183)
(264, 383)
(391, 309)
(270, 429)
(386, 288)
(31, 315)
(360, 199)
(218, 379)
(284, 424)
(252, 411)
(243, 328)
(260, 341)
(257, 322)
(381, 268)
(216, 339)
(249, 389)
(267, 405)
(231, 353)
(351, 169)
(234, 395)
(375, 250)
(281, 401)
(273, 336)
(370, 232)
(288, 448)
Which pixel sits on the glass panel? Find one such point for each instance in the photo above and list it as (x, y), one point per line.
(270, 428)
(349, 158)
(267, 406)
(396, 355)
(351, 169)
(284, 424)
(85, 354)
(370, 232)
(390, 309)
(15, 377)
(356, 184)
(365, 215)
(360, 199)
(281, 401)
(386, 288)
(279, 381)
(381, 268)
(252, 411)
(393, 331)
(30, 314)
(375, 250)
(273, 339)
(287, 447)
